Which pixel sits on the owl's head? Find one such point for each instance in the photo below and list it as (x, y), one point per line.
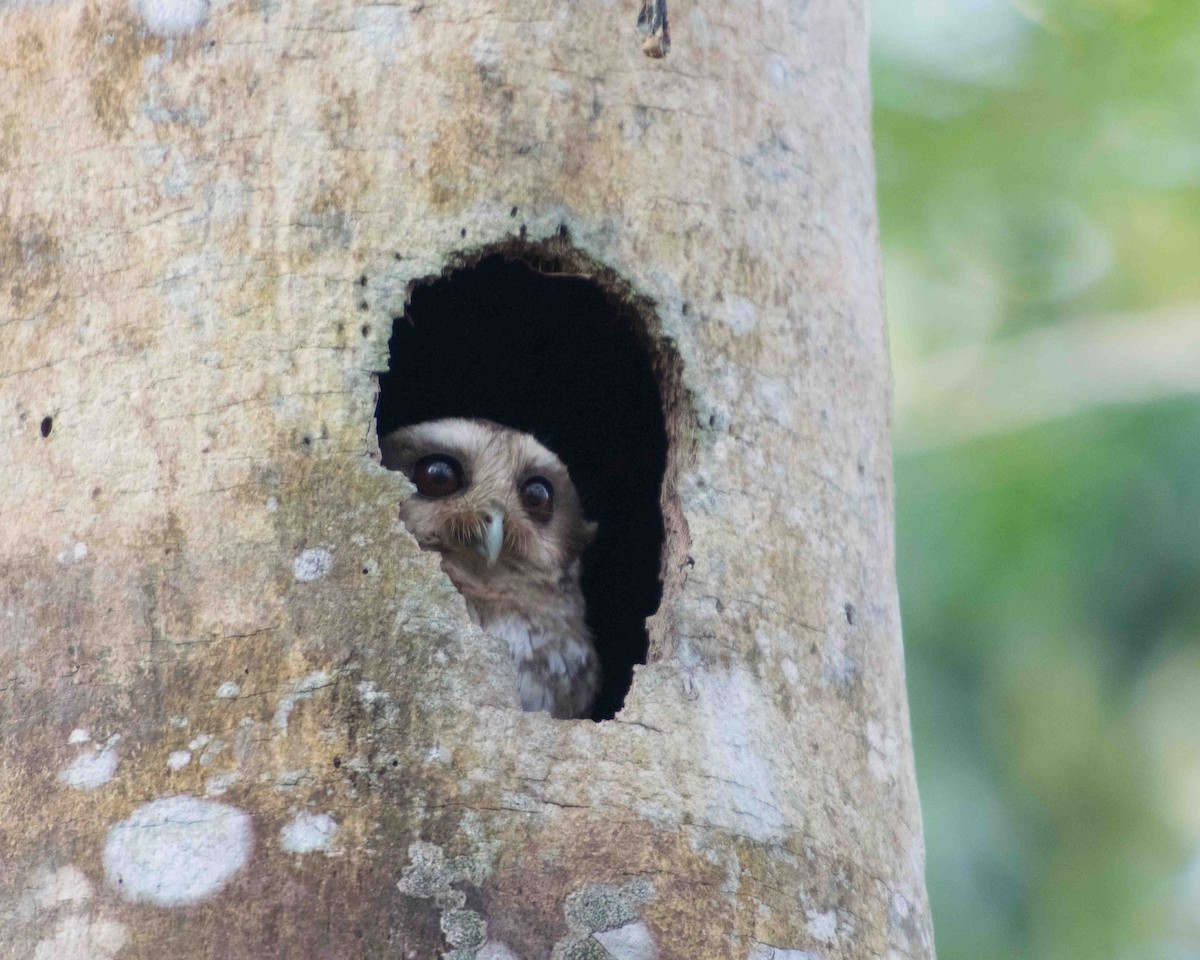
(487, 496)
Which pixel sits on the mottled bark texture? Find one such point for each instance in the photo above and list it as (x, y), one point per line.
(241, 715)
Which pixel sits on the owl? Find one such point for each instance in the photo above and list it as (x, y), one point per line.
(501, 510)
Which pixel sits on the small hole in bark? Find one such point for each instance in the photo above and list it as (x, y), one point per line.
(337, 762)
(362, 305)
(307, 441)
(362, 281)
(512, 212)
(47, 426)
(366, 330)
(540, 338)
(851, 614)
(462, 232)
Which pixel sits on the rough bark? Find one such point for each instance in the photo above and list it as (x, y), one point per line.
(241, 715)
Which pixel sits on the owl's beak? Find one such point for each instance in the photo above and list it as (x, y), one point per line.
(493, 534)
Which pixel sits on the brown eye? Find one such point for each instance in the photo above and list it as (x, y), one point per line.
(437, 476)
(538, 497)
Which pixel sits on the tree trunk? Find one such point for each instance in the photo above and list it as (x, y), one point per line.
(241, 714)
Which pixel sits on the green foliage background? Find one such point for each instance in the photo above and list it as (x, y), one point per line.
(1039, 166)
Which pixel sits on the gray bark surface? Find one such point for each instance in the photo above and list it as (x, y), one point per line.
(241, 715)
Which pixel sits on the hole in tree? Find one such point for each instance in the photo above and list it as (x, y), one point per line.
(539, 338)
(47, 426)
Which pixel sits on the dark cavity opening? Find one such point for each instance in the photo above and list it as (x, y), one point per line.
(47, 426)
(528, 339)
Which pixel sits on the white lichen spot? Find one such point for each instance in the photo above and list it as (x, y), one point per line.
(179, 721)
(629, 942)
(916, 854)
(177, 851)
(494, 950)
(839, 668)
(308, 832)
(369, 692)
(764, 951)
(179, 179)
(780, 72)
(219, 784)
(179, 759)
(80, 937)
(200, 742)
(822, 925)
(357, 765)
(740, 314)
(291, 779)
(487, 55)
(92, 769)
(79, 735)
(171, 18)
(314, 681)
(763, 640)
(74, 553)
(53, 888)
(771, 398)
(224, 201)
(214, 749)
(301, 690)
(272, 504)
(736, 726)
(312, 564)
(702, 37)
(883, 753)
(228, 690)
(384, 29)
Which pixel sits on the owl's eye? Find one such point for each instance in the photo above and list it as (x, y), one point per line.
(537, 494)
(437, 476)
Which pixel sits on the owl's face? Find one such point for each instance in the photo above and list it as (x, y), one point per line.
(488, 497)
